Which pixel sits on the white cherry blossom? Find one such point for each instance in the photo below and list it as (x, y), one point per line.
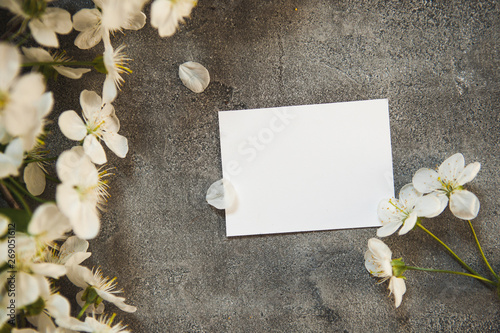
(84, 278)
(44, 24)
(80, 192)
(23, 101)
(446, 184)
(378, 263)
(101, 123)
(394, 213)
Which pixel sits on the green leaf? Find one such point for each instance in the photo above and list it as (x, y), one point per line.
(21, 218)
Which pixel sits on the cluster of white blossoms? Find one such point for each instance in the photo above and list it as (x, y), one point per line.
(427, 196)
(41, 246)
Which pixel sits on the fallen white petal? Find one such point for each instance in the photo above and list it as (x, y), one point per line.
(194, 76)
(221, 194)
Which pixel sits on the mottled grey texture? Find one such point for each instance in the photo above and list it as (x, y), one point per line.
(438, 64)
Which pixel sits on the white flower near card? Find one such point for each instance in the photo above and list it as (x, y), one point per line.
(394, 213)
(221, 194)
(378, 263)
(100, 123)
(194, 76)
(446, 184)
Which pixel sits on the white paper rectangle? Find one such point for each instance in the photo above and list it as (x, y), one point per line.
(305, 168)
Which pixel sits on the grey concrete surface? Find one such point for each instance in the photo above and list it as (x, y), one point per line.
(438, 64)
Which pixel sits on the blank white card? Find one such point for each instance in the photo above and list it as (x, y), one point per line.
(306, 168)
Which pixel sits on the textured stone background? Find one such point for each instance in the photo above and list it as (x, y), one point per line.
(438, 64)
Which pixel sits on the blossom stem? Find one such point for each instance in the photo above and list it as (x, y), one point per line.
(8, 197)
(467, 267)
(54, 179)
(59, 63)
(18, 196)
(40, 160)
(481, 250)
(85, 306)
(451, 272)
(25, 191)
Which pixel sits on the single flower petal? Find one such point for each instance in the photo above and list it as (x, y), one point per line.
(388, 229)
(86, 19)
(88, 38)
(464, 204)
(117, 143)
(91, 104)
(10, 62)
(78, 275)
(221, 194)
(443, 201)
(87, 224)
(408, 196)
(452, 167)
(37, 54)
(57, 19)
(426, 180)
(94, 150)
(194, 76)
(469, 173)
(109, 90)
(72, 73)
(42, 34)
(73, 245)
(136, 21)
(397, 287)
(118, 301)
(44, 104)
(48, 269)
(58, 306)
(429, 205)
(409, 223)
(48, 223)
(28, 290)
(72, 125)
